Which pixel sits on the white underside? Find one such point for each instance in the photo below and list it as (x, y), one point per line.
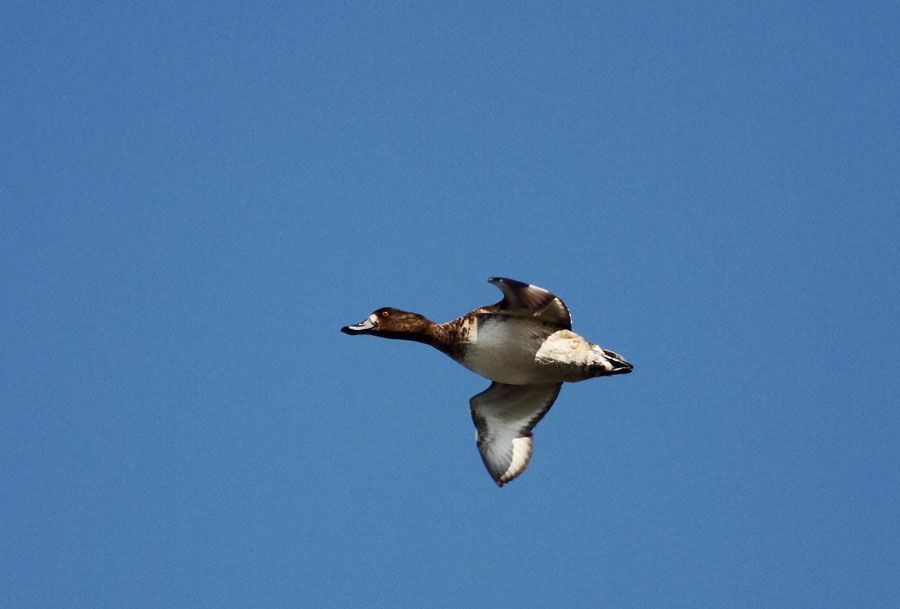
(518, 351)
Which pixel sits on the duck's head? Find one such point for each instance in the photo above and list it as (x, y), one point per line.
(392, 323)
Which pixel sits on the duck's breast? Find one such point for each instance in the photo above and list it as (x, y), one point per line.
(505, 348)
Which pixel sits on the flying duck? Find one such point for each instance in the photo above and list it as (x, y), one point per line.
(524, 345)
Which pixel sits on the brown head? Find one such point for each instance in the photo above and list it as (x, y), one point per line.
(389, 322)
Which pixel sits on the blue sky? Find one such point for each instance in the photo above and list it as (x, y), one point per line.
(194, 200)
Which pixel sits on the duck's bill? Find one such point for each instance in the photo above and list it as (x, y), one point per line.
(366, 325)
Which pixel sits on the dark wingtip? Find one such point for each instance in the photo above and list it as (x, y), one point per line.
(512, 282)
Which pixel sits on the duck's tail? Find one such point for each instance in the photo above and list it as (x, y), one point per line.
(611, 362)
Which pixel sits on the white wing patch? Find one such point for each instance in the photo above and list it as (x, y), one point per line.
(521, 455)
(504, 416)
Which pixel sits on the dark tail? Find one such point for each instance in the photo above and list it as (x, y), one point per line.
(618, 363)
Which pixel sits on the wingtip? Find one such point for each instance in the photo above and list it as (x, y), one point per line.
(507, 280)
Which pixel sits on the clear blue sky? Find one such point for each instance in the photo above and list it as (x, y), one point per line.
(194, 200)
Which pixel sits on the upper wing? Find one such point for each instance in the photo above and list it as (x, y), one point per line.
(531, 301)
(504, 416)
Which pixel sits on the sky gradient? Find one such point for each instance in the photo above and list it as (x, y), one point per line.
(195, 200)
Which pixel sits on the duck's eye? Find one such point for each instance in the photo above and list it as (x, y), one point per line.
(384, 313)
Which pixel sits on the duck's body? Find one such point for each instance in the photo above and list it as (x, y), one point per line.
(525, 345)
(522, 351)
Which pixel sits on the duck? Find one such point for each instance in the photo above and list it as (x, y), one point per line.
(524, 345)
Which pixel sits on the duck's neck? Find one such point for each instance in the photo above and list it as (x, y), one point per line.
(449, 337)
(421, 332)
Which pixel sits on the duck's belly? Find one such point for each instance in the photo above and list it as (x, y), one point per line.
(518, 351)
